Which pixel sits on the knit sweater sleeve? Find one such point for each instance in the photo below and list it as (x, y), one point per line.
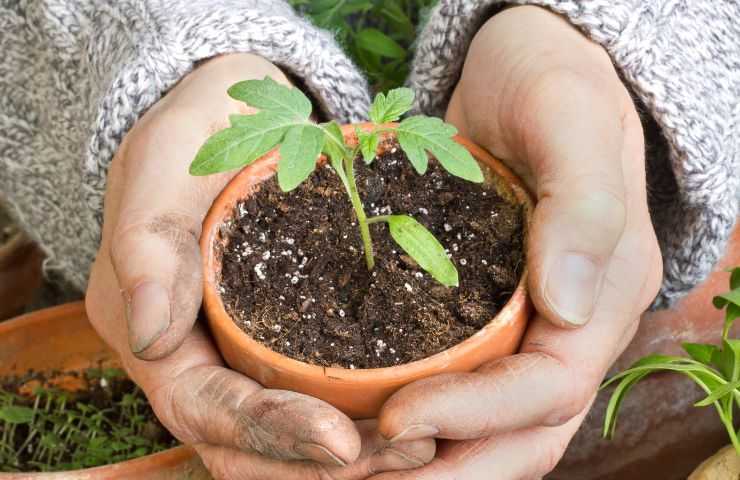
(682, 62)
(75, 76)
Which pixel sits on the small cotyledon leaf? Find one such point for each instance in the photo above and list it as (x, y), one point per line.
(16, 415)
(424, 248)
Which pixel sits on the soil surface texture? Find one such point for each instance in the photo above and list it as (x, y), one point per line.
(294, 275)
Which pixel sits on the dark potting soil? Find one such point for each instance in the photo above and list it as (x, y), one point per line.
(99, 417)
(294, 275)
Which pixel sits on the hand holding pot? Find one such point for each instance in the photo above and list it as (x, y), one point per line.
(145, 292)
(547, 101)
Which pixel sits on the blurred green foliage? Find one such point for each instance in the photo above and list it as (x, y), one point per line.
(377, 34)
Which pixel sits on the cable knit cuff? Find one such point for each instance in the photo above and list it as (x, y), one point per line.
(142, 48)
(681, 59)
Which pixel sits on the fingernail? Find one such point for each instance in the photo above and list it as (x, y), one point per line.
(415, 432)
(572, 286)
(318, 453)
(148, 315)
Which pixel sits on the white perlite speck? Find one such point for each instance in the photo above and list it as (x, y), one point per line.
(266, 255)
(259, 270)
(447, 227)
(408, 287)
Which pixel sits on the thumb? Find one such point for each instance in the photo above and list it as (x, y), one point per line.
(154, 247)
(573, 145)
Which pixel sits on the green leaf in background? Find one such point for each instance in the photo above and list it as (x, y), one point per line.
(718, 393)
(701, 352)
(368, 145)
(701, 374)
(421, 245)
(389, 108)
(16, 415)
(731, 302)
(298, 154)
(727, 360)
(615, 401)
(375, 41)
(273, 97)
(249, 137)
(419, 134)
(398, 20)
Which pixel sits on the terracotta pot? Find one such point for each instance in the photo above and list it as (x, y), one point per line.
(660, 434)
(62, 339)
(20, 274)
(358, 393)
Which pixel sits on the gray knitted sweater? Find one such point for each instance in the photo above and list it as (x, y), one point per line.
(76, 74)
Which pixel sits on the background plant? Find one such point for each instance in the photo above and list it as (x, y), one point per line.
(283, 119)
(55, 430)
(377, 34)
(714, 368)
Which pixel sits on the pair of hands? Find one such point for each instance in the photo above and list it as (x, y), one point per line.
(536, 94)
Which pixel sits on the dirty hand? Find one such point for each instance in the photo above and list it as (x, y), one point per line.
(546, 100)
(145, 292)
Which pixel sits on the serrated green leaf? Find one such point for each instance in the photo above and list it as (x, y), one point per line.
(389, 108)
(420, 244)
(250, 137)
(16, 415)
(298, 154)
(368, 145)
(271, 96)
(701, 352)
(375, 41)
(418, 134)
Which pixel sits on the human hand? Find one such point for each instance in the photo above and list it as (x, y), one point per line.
(547, 101)
(145, 293)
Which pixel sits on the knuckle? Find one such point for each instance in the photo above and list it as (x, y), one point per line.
(604, 209)
(179, 230)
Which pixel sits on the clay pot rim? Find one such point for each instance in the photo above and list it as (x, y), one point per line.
(137, 466)
(140, 465)
(218, 318)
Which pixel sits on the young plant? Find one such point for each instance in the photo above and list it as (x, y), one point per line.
(714, 368)
(283, 119)
(54, 430)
